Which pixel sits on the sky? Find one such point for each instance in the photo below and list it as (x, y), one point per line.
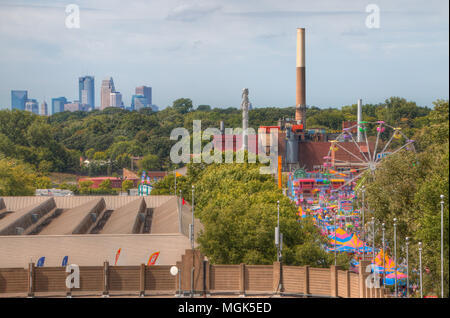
(209, 50)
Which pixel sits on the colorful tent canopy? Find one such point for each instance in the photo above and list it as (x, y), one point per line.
(389, 264)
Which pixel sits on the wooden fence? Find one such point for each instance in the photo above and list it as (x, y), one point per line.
(196, 275)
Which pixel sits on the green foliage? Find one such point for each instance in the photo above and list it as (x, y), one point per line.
(408, 186)
(127, 185)
(183, 105)
(116, 134)
(16, 178)
(105, 185)
(43, 183)
(238, 209)
(150, 163)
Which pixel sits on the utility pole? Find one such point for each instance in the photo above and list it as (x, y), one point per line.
(395, 256)
(442, 246)
(407, 268)
(384, 257)
(363, 224)
(420, 269)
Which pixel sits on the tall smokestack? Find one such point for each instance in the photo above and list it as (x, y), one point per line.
(300, 104)
(359, 119)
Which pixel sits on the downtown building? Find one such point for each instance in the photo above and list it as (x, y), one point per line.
(86, 91)
(44, 109)
(145, 91)
(105, 93)
(32, 106)
(115, 99)
(58, 104)
(18, 99)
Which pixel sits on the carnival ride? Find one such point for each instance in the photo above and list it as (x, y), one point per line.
(363, 155)
(328, 195)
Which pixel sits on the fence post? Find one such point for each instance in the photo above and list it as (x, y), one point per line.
(347, 286)
(362, 278)
(105, 279)
(142, 281)
(31, 280)
(242, 280)
(206, 278)
(277, 278)
(306, 291)
(178, 278)
(68, 291)
(334, 280)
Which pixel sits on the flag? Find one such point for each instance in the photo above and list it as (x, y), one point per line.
(117, 256)
(153, 258)
(64, 261)
(183, 201)
(40, 262)
(177, 174)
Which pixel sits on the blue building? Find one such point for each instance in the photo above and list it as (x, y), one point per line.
(32, 106)
(138, 102)
(18, 99)
(58, 104)
(86, 90)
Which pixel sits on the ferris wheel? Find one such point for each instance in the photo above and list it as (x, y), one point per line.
(361, 148)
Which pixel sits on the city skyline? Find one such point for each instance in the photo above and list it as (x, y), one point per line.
(209, 50)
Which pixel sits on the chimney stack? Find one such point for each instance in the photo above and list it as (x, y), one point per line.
(300, 105)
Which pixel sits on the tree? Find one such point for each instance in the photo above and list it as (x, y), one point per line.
(127, 185)
(182, 105)
(150, 162)
(407, 186)
(105, 185)
(204, 108)
(43, 183)
(100, 156)
(16, 178)
(85, 186)
(237, 207)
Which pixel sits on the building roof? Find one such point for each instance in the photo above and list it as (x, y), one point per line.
(311, 154)
(63, 224)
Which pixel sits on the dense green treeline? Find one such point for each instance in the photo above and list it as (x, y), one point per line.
(109, 138)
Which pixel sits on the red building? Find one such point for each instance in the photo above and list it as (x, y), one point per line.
(116, 183)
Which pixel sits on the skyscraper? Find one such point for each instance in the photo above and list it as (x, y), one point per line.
(58, 104)
(86, 91)
(32, 105)
(18, 99)
(44, 109)
(145, 91)
(116, 99)
(105, 94)
(138, 102)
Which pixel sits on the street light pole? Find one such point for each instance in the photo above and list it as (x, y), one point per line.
(384, 257)
(395, 255)
(278, 236)
(363, 224)
(442, 246)
(335, 252)
(407, 268)
(373, 243)
(192, 226)
(420, 269)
